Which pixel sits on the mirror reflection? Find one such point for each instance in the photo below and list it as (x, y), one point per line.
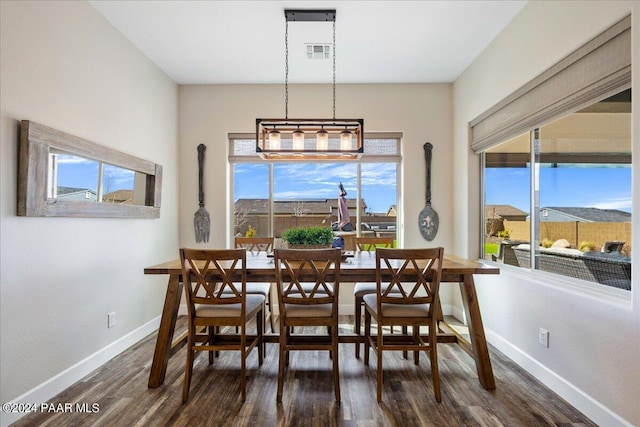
(71, 177)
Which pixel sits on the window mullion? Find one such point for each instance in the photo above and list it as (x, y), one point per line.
(534, 216)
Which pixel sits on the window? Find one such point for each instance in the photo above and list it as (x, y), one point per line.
(270, 197)
(556, 165)
(582, 192)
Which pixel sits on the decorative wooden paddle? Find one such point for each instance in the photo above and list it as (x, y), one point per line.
(201, 222)
(428, 219)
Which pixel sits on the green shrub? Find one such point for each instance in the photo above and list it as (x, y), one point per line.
(506, 233)
(587, 246)
(251, 232)
(308, 236)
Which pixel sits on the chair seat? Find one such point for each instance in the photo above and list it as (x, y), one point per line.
(316, 310)
(397, 310)
(254, 302)
(254, 289)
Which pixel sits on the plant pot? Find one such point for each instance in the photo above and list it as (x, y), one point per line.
(327, 246)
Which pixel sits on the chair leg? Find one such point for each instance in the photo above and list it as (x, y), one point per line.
(243, 364)
(336, 370)
(210, 333)
(357, 312)
(188, 368)
(273, 330)
(288, 330)
(367, 336)
(416, 354)
(260, 331)
(405, 331)
(281, 363)
(379, 374)
(433, 358)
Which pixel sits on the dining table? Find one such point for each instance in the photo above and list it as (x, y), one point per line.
(356, 267)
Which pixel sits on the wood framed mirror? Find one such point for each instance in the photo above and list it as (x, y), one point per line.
(63, 175)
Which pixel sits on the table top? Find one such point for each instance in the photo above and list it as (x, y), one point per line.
(358, 268)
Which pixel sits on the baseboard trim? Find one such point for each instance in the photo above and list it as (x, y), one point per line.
(68, 377)
(586, 404)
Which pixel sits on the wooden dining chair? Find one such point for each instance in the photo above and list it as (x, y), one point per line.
(407, 285)
(360, 289)
(303, 306)
(255, 245)
(215, 288)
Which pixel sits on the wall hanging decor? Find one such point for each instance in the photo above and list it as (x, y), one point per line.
(428, 219)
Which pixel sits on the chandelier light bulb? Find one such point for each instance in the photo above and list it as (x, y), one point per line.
(322, 140)
(274, 140)
(346, 140)
(298, 140)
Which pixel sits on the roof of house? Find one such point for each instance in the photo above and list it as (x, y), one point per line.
(500, 211)
(306, 207)
(71, 190)
(593, 214)
(119, 196)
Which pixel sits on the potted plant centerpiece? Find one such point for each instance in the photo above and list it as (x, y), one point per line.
(308, 237)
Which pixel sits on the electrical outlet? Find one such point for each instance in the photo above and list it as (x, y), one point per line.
(111, 319)
(543, 337)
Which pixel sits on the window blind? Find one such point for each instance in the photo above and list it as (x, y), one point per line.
(595, 71)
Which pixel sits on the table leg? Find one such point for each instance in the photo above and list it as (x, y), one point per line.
(165, 332)
(476, 333)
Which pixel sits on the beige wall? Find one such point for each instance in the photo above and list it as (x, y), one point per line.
(422, 112)
(66, 67)
(592, 360)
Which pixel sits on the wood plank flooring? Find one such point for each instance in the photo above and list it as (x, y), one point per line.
(120, 389)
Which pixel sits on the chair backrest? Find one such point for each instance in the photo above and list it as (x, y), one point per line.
(369, 244)
(254, 243)
(214, 276)
(318, 267)
(411, 276)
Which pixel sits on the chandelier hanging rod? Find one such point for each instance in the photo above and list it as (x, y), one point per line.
(285, 138)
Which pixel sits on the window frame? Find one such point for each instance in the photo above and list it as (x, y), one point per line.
(37, 141)
(367, 157)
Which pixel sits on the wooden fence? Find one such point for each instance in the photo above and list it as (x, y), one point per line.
(575, 232)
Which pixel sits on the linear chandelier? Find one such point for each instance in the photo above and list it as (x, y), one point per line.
(316, 138)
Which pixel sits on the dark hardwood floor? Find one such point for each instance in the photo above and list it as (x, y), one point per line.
(120, 390)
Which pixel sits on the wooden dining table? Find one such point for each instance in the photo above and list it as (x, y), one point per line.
(357, 267)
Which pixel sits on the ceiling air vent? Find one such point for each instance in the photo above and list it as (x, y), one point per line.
(318, 51)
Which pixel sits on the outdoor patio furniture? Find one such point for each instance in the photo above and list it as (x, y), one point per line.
(505, 253)
(610, 269)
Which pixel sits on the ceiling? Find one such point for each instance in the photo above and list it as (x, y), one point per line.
(233, 42)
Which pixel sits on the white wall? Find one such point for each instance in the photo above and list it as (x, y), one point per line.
(66, 67)
(593, 356)
(422, 112)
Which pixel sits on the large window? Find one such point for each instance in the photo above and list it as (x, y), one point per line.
(575, 201)
(269, 197)
(556, 168)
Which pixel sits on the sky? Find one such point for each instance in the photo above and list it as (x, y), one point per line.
(299, 181)
(78, 172)
(575, 186)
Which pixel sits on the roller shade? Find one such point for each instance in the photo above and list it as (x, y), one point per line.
(595, 71)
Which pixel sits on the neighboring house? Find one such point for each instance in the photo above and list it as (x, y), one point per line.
(393, 211)
(72, 193)
(504, 212)
(559, 214)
